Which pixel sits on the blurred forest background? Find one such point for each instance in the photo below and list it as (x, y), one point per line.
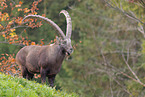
(108, 40)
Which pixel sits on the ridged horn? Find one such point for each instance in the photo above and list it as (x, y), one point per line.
(69, 23)
(50, 22)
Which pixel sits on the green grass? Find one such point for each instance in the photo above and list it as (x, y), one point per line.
(18, 87)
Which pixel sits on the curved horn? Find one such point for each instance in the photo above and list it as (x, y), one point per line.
(50, 22)
(69, 23)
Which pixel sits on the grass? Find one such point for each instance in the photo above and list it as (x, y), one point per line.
(18, 87)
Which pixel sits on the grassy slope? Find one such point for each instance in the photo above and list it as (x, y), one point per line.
(19, 87)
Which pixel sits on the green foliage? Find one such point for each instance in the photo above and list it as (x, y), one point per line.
(136, 8)
(107, 33)
(14, 87)
(94, 69)
(134, 88)
(7, 48)
(143, 46)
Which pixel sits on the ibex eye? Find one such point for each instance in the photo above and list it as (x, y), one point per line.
(65, 42)
(71, 49)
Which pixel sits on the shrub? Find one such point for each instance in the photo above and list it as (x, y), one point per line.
(18, 87)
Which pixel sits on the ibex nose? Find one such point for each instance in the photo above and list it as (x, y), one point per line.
(71, 50)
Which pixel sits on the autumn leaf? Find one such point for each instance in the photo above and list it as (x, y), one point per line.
(12, 30)
(2, 19)
(10, 42)
(27, 43)
(4, 16)
(42, 41)
(32, 43)
(18, 5)
(20, 21)
(7, 54)
(20, 2)
(43, 15)
(14, 71)
(10, 22)
(12, 61)
(26, 10)
(35, 13)
(19, 9)
(12, 34)
(39, 75)
(3, 35)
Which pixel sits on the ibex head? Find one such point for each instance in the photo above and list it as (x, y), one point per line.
(65, 42)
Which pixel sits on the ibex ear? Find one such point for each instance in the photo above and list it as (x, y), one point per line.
(58, 40)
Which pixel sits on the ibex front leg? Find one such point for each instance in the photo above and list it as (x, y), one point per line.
(51, 79)
(43, 73)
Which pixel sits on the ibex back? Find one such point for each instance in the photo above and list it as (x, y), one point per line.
(46, 60)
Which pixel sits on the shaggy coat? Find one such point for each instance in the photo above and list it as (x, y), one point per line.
(46, 60)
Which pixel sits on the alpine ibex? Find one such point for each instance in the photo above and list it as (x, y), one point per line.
(46, 60)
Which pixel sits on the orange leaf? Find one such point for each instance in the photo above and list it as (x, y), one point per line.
(11, 4)
(13, 70)
(10, 42)
(25, 30)
(19, 9)
(32, 43)
(13, 61)
(42, 42)
(43, 15)
(3, 35)
(27, 43)
(7, 54)
(29, 40)
(39, 75)
(18, 5)
(26, 10)
(51, 41)
(35, 13)
(20, 2)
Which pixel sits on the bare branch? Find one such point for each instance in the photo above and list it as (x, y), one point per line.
(12, 43)
(141, 29)
(122, 86)
(142, 2)
(111, 87)
(112, 75)
(137, 79)
(20, 27)
(129, 14)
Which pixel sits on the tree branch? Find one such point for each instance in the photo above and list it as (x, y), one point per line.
(137, 79)
(12, 43)
(129, 14)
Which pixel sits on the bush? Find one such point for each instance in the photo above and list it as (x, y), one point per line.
(18, 87)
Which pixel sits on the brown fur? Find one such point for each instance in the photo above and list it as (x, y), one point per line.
(46, 60)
